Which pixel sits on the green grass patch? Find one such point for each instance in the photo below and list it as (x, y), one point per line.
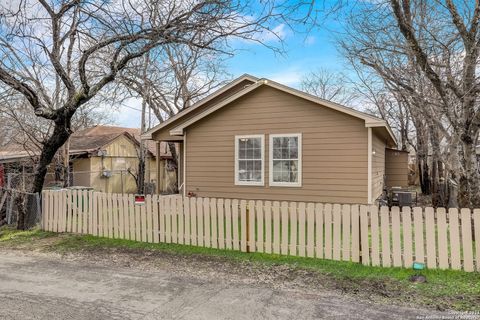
(444, 289)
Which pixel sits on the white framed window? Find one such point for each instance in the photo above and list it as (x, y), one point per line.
(249, 157)
(285, 164)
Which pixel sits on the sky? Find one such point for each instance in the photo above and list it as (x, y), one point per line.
(304, 53)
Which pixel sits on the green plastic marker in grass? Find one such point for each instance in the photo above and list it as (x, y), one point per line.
(418, 266)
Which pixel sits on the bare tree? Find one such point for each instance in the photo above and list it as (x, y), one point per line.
(427, 51)
(169, 80)
(328, 85)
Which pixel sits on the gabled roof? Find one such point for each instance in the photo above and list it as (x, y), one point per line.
(246, 77)
(370, 121)
(96, 132)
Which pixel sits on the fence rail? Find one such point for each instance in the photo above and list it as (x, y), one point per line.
(358, 233)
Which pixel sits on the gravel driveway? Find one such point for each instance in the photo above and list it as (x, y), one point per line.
(39, 286)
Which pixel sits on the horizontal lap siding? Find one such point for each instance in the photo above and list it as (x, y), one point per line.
(378, 166)
(396, 168)
(334, 149)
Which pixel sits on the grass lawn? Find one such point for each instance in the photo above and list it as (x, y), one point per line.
(444, 289)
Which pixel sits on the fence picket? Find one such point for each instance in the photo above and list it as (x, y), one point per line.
(228, 223)
(193, 220)
(206, 222)
(328, 230)
(337, 231)
(319, 230)
(243, 225)
(385, 232)
(131, 216)
(364, 236)
(276, 227)
(268, 226)
(79, 211)
(467, 240)
(251, 226)
(200, 221)
(90, 212)
(454, 239)
(235, 225)
(110, 214)
(138, 222)
(86, 203)
(418, 235)
(407, 237)
(375, 254)
(68, 196)
(173, 219)
(355, 220)
(430, 238)
(95, 214)
(115, 215)
(442, 238)
(259, 225)
(213, 217)
(186, 219)
(168, 219)
(74, 210)
(396, 237)
(121, 216)
(301, 229)
(221, 223)
(310, 230)
(476, 220)
(181, 226)
(293, 228)
(285, 222)
(346, 211)
(149, 212)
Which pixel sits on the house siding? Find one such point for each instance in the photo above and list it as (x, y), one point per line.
(378, 166)
(334, 149)
(396, 168)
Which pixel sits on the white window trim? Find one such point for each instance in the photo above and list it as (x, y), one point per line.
(270, 160)
(262, 143)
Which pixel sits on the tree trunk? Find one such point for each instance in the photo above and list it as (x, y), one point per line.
(20, 205)
(173, 151)
(60, 135)
(469, 179)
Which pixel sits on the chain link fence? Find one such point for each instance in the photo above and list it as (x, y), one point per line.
(13, 202)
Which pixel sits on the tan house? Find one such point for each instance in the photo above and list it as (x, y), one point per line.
(258, 139)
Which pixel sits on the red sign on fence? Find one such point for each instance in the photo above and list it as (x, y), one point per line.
(139, 199)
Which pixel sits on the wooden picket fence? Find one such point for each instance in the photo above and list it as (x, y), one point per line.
(358, 233)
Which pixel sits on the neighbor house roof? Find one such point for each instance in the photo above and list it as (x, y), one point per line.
(82, 142)
(97, 132)
(370, 121)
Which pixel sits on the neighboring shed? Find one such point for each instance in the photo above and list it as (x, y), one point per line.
(102, 157)
(257, 139)
(396, 168)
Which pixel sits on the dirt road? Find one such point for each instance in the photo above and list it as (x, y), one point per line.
(39, 286)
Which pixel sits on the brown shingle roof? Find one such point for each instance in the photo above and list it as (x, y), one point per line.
(83, 141)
